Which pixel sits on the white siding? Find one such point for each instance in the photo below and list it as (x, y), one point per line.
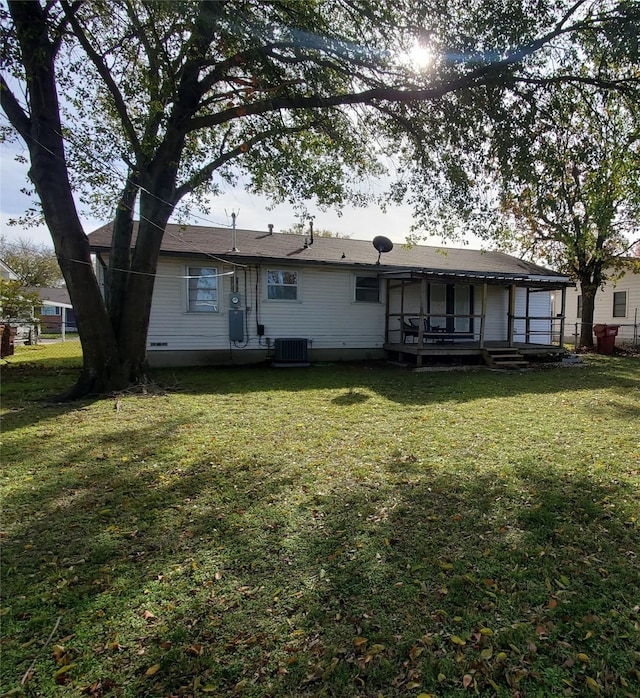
(604, 306)
(325, 311)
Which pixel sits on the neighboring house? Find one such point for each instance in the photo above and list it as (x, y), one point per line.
(6, 272)
(617, 303)
(224, 297)
(56, 312)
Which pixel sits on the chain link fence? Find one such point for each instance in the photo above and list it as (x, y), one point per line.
(628, 337)
(19, 334)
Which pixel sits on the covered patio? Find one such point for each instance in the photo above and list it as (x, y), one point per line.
(432, 314)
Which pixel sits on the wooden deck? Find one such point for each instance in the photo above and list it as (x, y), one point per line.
(459, 349)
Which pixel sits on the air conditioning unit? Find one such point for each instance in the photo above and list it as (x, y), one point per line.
(290, 351)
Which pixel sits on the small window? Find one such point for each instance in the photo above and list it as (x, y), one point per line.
(579, 310)
(619, 304)
(367, 289)
(50, 310)
(202, 285)
(282, 285)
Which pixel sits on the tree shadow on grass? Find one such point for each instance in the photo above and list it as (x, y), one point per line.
(242, 579)
(403, 387)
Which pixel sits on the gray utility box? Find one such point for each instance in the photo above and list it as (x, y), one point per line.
(236, 325)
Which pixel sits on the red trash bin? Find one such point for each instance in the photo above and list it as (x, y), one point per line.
(606, 337)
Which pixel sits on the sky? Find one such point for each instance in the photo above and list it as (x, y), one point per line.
(252, 212)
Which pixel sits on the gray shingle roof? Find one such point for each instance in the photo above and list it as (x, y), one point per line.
(54, 295)
(252, 245)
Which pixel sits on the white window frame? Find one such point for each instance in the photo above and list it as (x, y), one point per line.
(50, 310)
(356, 288)
(624, 309)
(295, 285)
(191, 277)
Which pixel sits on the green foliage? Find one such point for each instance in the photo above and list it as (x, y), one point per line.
(283, 93)
(16, 304)
(574, 191)
(35, 265)
(341, 531)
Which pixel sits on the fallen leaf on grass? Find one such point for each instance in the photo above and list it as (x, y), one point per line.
(62, 671)
(467, 680)
(593, 684)
(152, 670)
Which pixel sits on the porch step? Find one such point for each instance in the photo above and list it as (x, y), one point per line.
(504, 358)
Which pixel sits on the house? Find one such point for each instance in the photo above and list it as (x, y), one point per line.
(617, 303)
(6, 272)
(55, 312)
(224, 296)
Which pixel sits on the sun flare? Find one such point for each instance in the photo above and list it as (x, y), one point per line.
(420, 57)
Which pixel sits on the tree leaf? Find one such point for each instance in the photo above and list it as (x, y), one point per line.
(152, 670)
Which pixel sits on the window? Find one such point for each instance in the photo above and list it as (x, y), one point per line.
(619, 304)
(579, 309)
(202, 285)
(282, 285)
(367, 289)
(50, 310)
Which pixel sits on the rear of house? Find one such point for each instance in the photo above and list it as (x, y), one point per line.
(330, 298)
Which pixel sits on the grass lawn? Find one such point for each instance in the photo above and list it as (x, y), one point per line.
(331, 531)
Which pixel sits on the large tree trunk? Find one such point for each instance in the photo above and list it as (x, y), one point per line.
(588, 291)
(134, 305)
(104, 369)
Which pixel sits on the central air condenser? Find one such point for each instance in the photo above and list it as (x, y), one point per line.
(290, 351)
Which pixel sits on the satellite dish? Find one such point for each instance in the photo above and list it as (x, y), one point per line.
(382, 244)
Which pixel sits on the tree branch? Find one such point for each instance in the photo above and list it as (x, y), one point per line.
(105, 74)
(15, 113)
(205, 173)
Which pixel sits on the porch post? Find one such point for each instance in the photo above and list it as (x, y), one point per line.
(387, 290)
(423, 295)
(563, 309)
(527, 336)
(483, 318)
(511, 316)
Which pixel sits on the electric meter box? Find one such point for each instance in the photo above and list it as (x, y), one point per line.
(236, 325)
